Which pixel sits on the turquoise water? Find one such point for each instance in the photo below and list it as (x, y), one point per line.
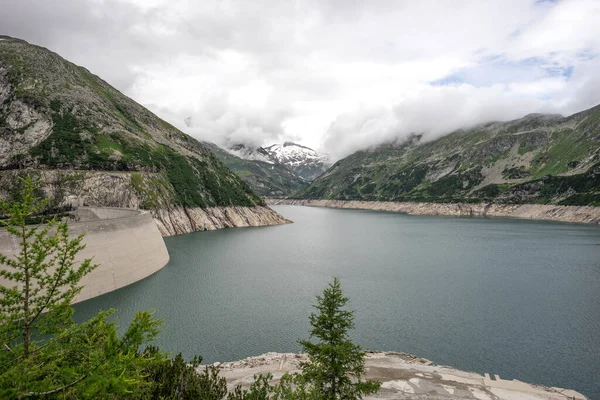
(520, 299)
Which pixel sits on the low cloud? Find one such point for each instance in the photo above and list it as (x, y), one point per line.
(334, 75)
(432, 111)
(228, 126)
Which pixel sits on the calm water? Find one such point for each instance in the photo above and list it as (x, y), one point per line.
(520, 299)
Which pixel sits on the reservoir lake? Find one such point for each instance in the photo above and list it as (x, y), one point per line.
(516, 298)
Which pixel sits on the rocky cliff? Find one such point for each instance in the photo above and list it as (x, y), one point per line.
(181, 220)
(91, 145)
(139, 191)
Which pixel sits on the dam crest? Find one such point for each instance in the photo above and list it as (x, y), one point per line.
(125, 243)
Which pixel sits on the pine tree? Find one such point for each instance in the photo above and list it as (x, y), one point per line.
(43, 353)
(44, 274)
(336, 365)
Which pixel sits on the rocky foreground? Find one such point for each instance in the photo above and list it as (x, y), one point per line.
(577, 214)
(404, 376)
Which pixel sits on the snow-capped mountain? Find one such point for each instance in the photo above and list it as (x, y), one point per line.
(264, 176)
(304, 161)
(300, 160)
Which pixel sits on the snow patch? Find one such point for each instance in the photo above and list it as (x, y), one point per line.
(294, 154)
(245, 155)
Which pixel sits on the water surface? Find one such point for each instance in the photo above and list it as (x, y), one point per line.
(520, 299)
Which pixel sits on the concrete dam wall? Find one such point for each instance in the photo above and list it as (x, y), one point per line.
(125, 243)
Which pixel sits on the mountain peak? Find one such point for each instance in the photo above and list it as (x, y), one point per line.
(303, 160)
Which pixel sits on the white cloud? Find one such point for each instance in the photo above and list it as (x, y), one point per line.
(328, 73)
(433, 111)
(568, 28)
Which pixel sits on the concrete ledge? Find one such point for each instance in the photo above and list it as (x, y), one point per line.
(125, 243)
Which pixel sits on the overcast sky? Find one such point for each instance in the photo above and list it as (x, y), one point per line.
(336, 75)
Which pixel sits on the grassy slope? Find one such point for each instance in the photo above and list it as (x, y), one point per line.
(95, 127)
(537, 159)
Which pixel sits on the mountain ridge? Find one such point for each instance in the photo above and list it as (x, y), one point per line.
(57, 116)
(546, 159)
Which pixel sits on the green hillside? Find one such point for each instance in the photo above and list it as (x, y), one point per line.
(545, 159)
(55, 115)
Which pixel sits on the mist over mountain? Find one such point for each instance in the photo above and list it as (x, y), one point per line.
(277, 170)
(334, 87)
(540, 158)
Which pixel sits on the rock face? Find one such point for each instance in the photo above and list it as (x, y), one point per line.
(31, 127)
(91, 145)
(182, 220)
(538, 159)
(403, 376)
(132, 191)
(578, 214)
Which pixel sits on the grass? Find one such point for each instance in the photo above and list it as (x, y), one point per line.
(554, 160)
(525, 149)
(122, 111)
(196, 183)
(153, 189)
(397, 174)
(107, 144)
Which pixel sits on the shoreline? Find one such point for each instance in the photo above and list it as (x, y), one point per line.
(542, 212)
(403, 376)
